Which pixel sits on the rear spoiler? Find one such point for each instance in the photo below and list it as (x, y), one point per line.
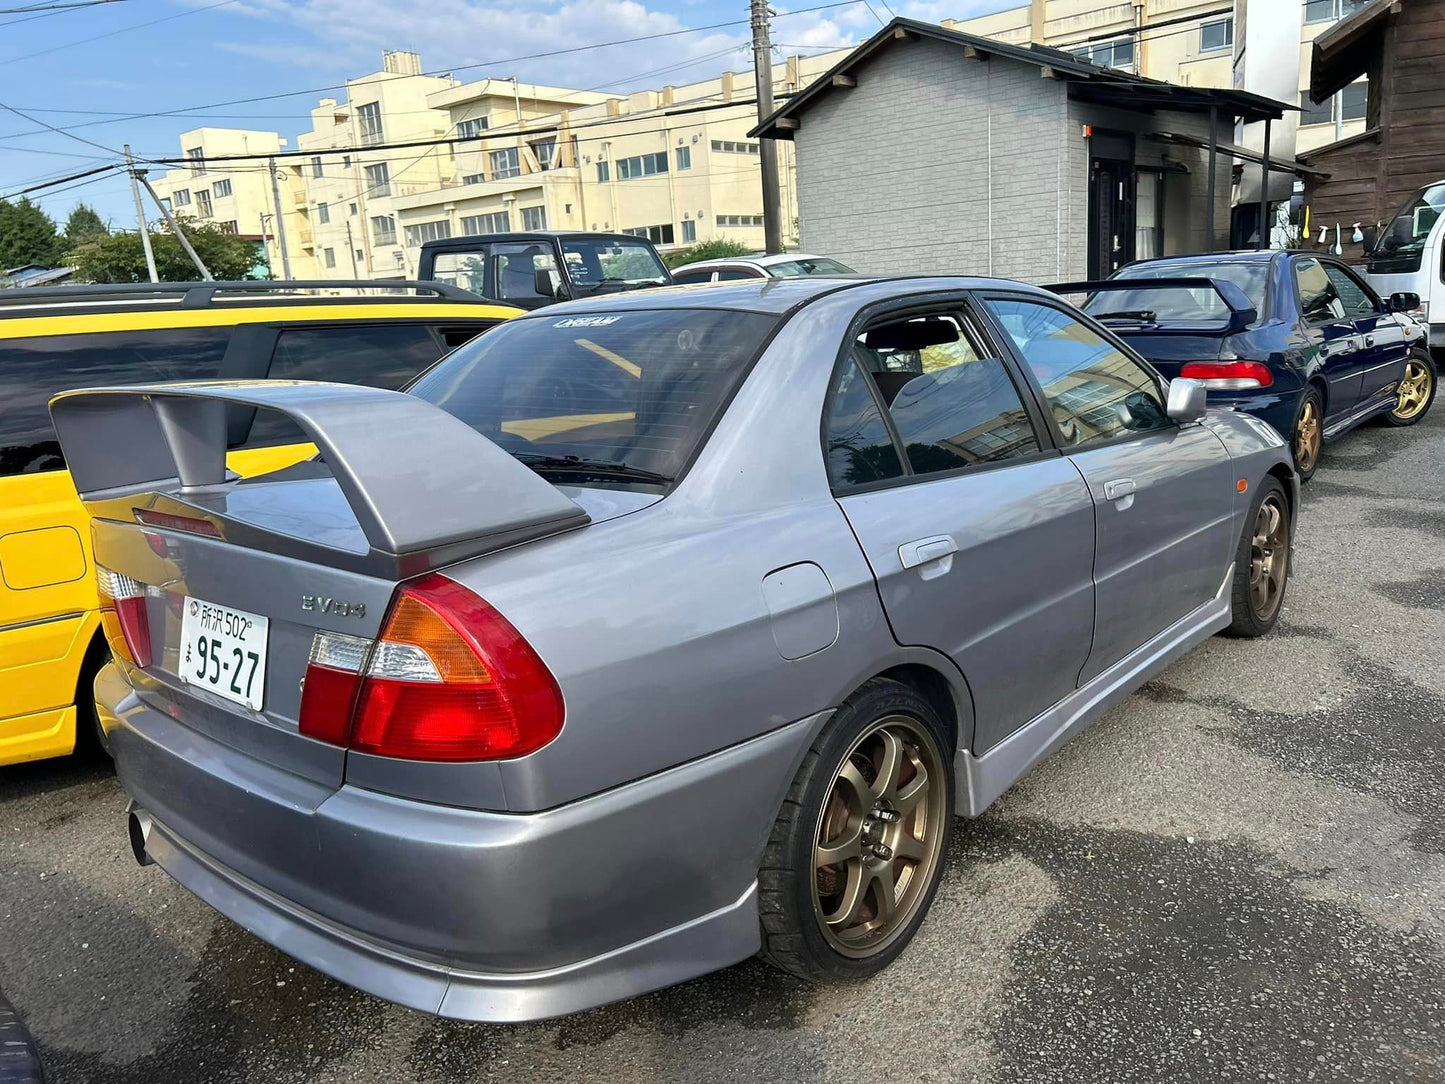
(424, 488)
(1241, 310)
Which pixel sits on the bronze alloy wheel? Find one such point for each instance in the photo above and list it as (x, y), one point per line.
(1307, 436)
(880, 836)
(1415, 389)
(1269, 556)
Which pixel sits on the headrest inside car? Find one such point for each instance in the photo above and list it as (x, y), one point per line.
(911, 334)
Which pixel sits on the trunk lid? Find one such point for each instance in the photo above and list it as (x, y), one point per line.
(399, 489)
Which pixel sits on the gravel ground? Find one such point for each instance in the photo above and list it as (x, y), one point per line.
(1240, 873)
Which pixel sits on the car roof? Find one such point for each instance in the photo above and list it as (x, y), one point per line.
(1248, 255)
(467, 240)
(775, 296)
(757, 259)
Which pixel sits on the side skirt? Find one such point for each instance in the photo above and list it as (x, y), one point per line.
(981, 779)
(1378, 405)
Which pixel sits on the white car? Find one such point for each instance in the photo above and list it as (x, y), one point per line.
(784, 265)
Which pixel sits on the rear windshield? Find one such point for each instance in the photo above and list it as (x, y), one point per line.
(1182, 303)
(808, 266)
(636, 388)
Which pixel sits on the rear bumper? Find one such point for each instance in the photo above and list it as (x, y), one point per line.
(469, 914)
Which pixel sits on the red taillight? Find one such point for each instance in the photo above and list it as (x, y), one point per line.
(191, 524)
(123, 616)
(1229, 375)
(449, 678)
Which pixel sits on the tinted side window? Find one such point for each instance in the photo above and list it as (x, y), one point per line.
(732, 274)
(1352, 294)
(684, 277)
(860, 449)
(951, 406)
(1317, 297)
(374, 355)
(1094, 390)
(33, 370)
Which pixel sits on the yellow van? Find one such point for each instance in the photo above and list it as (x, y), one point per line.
(380, 334)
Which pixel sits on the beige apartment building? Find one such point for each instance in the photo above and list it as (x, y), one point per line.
(238, 195)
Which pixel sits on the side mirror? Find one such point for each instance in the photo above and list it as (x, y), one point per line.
(1372, 234)
(1187, 400)
(542, 282)
(1404, 301)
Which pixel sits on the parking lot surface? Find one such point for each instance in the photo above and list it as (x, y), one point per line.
(1239, 873)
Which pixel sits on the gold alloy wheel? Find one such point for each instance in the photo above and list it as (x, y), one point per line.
(1307, 436)
(1414, 390)
(1268, 557)
(880, 836)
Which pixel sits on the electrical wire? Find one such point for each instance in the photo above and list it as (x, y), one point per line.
(113, 33)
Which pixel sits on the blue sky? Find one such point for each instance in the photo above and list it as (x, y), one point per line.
(86, 69)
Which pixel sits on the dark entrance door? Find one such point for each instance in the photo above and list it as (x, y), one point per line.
(1111, 204)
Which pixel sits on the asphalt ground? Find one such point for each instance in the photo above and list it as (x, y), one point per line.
(1238, 874)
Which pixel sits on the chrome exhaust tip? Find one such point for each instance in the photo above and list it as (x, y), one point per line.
(138, 824)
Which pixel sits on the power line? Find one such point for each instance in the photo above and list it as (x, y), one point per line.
(428, 74)
(111, 34)
(60, 131)
(57, 7)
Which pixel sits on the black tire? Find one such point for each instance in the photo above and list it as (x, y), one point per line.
(90, 739)
(1311, 412)
(792, 922)
(1419, 407)
(1250, 618)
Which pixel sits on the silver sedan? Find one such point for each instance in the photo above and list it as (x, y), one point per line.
(652, 631)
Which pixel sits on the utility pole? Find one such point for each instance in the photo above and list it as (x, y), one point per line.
(351, 248)
(767, 148)
(176, 229)
(140, 215)
(280, 218)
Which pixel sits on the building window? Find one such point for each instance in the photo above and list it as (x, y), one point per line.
(727, 146)
(221, 188)
(181, 197)
(1216, 35)
(383, 230)
(378, 180)
(358, 256)
(1354, 101)
(474, 178)
(351, 208)
(739, 221)
(689, 231)
(1108, 54)
(471, 128)
(1310, 113)
(604, 174)
(346, 161)
(683, 157)
(658, 235)
(231, 227)
(316, 167)
(323, 213)
(642, 165)
(506, 164)
(368, 116)
(497, 222)
(546, 152)
(423, 232)
(197, 157)
(203, 203)
(1327, 11)
(534, 218)
(329, 255)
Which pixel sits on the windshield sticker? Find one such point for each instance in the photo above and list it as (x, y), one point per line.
(587, 321)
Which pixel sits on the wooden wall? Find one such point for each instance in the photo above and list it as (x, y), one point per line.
(1371, 175)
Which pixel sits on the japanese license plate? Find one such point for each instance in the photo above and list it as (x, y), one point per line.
(224, 650)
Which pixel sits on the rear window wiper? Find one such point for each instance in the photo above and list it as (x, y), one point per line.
(1146, 315)
(603, 468)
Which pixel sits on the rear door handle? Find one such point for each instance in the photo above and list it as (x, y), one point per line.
(1119, 488)
(924, 550)
(1369, 340)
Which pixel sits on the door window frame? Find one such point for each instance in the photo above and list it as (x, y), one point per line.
(1299, 305)
(1361, 285)
(1161, 383)
(953, 303)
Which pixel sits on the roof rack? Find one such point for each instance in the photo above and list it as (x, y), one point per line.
(199, 295)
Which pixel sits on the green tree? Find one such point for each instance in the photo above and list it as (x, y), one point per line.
(83, 226)
(27, 235)
(716, 249)
(119, 256)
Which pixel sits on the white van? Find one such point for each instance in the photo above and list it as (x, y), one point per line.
(1408, 256)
